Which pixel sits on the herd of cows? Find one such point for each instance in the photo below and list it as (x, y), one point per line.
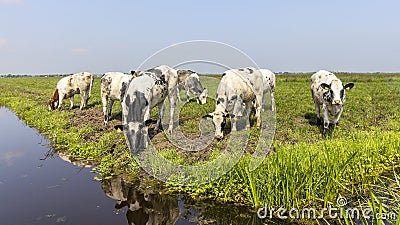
(238, 91)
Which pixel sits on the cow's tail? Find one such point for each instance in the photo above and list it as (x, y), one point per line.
(91, 85)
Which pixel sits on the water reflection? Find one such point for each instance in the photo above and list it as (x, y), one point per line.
(142, 208)
(151, 208)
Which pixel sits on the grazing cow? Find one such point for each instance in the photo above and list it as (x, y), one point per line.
(269, 86)
(192, 84)
(237, 87)
(79, 83)
(327, 90)
(145, 92)
(113, 86)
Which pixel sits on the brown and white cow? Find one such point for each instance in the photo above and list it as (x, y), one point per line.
(328, 90)
(79, 83)
(237, 88)
(113, 86)
(144, 93)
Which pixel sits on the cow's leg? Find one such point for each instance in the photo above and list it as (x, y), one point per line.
(145, 129)
(83, 97)
(187, 95)
(71, 100)
(172, 104)
(86, 98)
(104, 99)
(60, 100)
(258, 109)
(178, 95)
(248, 111)
(233, 123)
(272, 101)
(109, 109)
(317, 109)
(326, 119)
(160, 108)
(337, 117)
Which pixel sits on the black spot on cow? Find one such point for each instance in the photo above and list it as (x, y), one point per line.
(327, 96)
(223, 74)
(137, 107)
(157, 72)
(241, 69)
(234, 97)
(341, 94)
(124, 86)
(250, 70)
(220, 100)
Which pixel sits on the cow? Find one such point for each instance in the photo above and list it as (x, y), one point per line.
(269, 86)
(79, 83)
(328, 90)
(144, 93)
(192, 85)
(237, 87)
(113, 86)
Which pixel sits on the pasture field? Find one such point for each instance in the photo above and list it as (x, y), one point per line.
(302, 170)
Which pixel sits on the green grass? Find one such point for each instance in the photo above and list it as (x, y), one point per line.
(303, 169)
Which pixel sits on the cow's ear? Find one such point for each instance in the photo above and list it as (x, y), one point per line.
(325, 86)
(348, 86)
(208, 116)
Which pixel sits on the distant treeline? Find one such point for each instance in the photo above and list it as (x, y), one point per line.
(39, 75)
(207, 74)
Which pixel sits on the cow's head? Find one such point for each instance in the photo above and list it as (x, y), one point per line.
(335, 92)
(53, 104)
(219, 122)
(136, 134)
(202, 98)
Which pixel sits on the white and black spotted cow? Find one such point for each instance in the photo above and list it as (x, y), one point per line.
(143, 93)
(238, 88)
(79, 83)
(327, 90)
(192, 85)
(113, 86)
(269, 86)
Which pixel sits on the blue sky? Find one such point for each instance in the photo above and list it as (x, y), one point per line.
(68, 36)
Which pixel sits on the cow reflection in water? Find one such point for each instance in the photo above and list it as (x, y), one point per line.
(143, 208)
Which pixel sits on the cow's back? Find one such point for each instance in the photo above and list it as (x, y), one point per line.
(246, 82)
(114, 84)
(322, 76)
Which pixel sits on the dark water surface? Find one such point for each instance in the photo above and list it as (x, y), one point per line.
(40, 187)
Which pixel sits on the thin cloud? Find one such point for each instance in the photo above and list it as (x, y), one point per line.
(10, 1)
(3, 41)
(79, 50)
(8, 158)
